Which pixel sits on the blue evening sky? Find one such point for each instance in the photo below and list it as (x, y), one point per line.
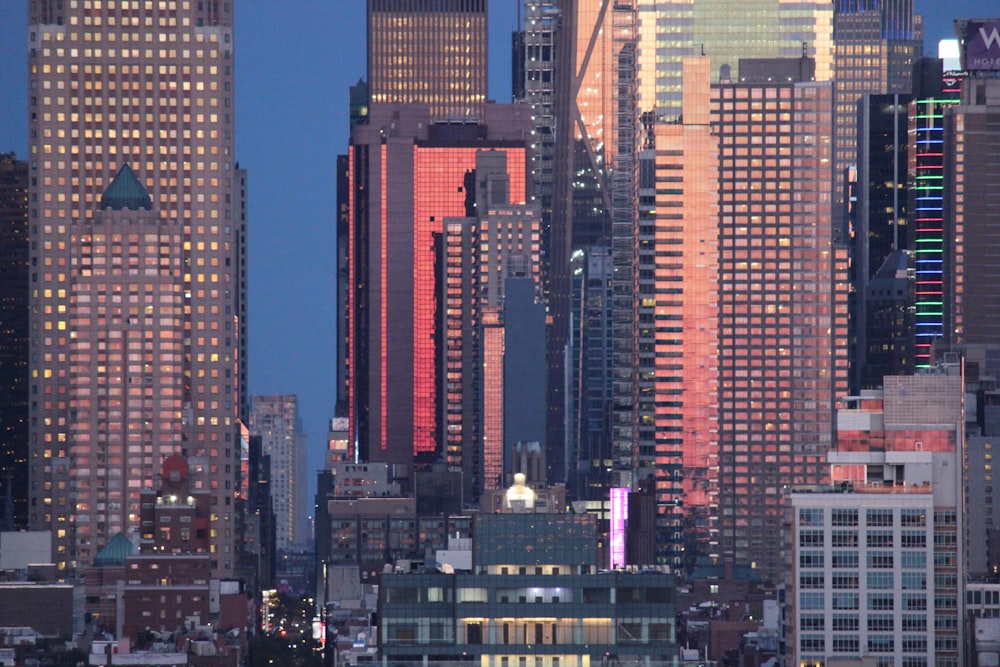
(295, 62)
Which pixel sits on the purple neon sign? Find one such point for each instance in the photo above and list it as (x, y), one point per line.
(619, 516)
(982, 45)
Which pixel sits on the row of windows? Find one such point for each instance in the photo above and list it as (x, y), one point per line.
(876, 559)
(815, 600)
(876, 644)
(814, 516)
(875, 581)
(875, 622)
(908, 539)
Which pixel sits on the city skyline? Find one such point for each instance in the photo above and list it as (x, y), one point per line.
(615, 291)
(292, 174)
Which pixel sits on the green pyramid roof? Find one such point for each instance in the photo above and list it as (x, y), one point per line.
(114, 552)
(126, 192)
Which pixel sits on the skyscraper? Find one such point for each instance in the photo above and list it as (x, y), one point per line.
(881, 323)
(595, 173)
(972, 249)
(876, 44)
(782, 300)
(275, 419)
(407, 175)
(934, 92)
(654, 426)
(429, 51)
(138, 276)
(726, 32)
(14, 332)
(686, 323)
(481, 253)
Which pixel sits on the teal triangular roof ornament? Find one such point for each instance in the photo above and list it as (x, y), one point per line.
(126, 192)
(115, 551)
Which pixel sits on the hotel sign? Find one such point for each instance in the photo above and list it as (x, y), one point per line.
(982, 45)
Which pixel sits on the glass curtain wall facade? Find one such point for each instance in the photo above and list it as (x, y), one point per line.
(726, 32)
(403, 187)
(429, 51)
(881, 326)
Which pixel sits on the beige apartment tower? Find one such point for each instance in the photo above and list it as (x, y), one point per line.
(782, 300)
(275, 418)
(137, 225)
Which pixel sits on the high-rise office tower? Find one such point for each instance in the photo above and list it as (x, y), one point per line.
(595, 173)
(342, 230)
(497, 241)
(972, 249)
(14, 351)
(275, 418)
(671, 30)
(581, 113)
(429, 51)
(589, 366)
(782, 299)
(138, 279)
(876, 43)
(935, 90)
(534, 74)
(724, 32)
(881, 324)
(685, 325)
(407, 176)
(649, 436)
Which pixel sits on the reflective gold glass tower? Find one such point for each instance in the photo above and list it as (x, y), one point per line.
(726, 31)
(137, 271)
(429, 51)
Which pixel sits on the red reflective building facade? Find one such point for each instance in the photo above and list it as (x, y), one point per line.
(407, 175)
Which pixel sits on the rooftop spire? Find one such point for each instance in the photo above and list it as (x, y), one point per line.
(126, 192)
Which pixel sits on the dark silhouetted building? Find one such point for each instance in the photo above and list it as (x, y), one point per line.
(14, 288)
(972, 214)
(876, 44)
(889, 320)
(881, 329)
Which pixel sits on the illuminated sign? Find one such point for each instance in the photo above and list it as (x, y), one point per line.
(619, 516)
(982, 45)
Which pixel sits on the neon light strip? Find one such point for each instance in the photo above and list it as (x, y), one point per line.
(383, 295)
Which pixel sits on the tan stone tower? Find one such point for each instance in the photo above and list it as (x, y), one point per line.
(137, 222)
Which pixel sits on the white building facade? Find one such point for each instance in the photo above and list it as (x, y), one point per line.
(877, 567)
